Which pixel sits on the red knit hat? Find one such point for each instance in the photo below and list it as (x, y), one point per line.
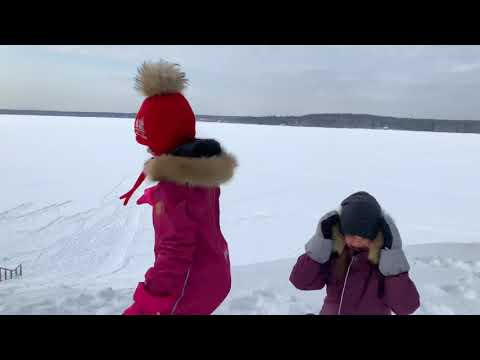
(165, 119)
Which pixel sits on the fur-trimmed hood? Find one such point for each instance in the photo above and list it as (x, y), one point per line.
(200, 163)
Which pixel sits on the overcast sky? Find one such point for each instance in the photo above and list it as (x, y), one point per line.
(414, 81)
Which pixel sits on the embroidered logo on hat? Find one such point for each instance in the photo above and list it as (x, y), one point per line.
(140, 127)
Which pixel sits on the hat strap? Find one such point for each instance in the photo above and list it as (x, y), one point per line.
(129, 194)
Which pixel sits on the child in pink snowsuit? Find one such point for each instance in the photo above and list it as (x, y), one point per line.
(191, 272)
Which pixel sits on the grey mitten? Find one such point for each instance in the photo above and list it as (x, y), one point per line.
(320, 246)
(392, 258)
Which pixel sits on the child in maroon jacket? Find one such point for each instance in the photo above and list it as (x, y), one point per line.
(357, 253)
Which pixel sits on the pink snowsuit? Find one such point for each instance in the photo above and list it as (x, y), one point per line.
(191, 273)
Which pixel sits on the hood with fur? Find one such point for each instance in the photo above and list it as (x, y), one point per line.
(200, 163)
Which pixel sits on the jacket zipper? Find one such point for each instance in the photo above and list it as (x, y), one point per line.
(344, 285)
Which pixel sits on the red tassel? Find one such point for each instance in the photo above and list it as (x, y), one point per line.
(129, 194)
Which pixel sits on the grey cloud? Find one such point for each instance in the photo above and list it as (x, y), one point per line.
(424, 81)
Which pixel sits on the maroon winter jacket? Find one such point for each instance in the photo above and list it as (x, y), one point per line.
(362, 291)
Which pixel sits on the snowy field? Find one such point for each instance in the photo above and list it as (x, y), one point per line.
(83, 252)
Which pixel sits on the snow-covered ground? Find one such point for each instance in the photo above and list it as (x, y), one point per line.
(83, 252)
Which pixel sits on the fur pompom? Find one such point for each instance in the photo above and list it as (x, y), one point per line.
(160, 78)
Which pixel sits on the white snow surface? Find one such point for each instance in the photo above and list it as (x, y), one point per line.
(83, 252)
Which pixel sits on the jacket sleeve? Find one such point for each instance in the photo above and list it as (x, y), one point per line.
(165, 282)
(401, 295)
(307, 274)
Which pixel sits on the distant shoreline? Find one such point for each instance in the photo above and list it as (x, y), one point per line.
(348, 121)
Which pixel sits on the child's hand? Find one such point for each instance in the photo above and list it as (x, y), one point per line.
(320, 246)
(328, 222)
(392, 258)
